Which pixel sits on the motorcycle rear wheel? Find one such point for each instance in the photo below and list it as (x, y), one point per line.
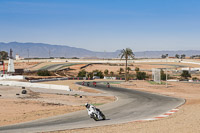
(103, 116)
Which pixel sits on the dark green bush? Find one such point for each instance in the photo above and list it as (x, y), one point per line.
(90, 75)
(137, 69)
(43, 73)
(98, 73)
(141, 75)
(163, 75)
(82, 73)
(106, 72)
(185, 74)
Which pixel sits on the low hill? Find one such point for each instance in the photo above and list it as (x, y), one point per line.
(41, 50)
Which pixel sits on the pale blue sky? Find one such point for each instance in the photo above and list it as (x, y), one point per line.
(100, 25)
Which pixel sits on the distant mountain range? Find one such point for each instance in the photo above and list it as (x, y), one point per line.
(41, 50)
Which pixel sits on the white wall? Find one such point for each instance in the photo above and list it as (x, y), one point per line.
(17, 77)
(35, 85)
(113, 78)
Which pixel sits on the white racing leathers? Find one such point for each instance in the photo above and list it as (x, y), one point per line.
(95, 113)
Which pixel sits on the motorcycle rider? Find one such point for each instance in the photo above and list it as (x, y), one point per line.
(83, 83)
(94, 84)
(108, 84)
(92, 109)
(88, 83)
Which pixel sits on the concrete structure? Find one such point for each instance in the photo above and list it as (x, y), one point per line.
(11, 68)
(35, 85)
(17, 57)
(113, 78)
(156, 75)
(12, 77)
(191, 69)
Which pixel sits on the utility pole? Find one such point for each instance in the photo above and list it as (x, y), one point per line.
(49, 53)
(28, 55)
(166, 70)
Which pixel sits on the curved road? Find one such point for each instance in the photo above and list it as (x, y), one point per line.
(131, 105)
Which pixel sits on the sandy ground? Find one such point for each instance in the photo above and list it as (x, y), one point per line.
(186, 120)
(142, 66)
(31, 106)
(21, 65)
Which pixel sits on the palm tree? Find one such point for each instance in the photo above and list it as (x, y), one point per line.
(126, 53)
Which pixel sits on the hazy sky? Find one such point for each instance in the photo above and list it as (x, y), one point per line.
(103, 25)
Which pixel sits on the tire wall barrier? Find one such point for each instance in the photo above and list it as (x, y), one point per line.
(35, 85)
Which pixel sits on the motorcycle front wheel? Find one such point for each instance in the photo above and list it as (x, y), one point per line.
(95, 117)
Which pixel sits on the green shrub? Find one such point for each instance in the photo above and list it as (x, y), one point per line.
(106, 72)
(141, 75)
(112, 73)
(3, 55)
(98, 73)
(90, 75)
(43, 73)
(137, 69)
(163, 75)
(195, 78)
(82, 73)
(185, 74)
(121, 70)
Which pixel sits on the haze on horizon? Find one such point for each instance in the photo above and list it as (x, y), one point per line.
(103, 25)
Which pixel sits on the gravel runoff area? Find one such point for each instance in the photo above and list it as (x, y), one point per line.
(186, 120)
(16, 107)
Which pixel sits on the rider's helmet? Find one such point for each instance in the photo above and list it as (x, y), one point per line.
(87, 105)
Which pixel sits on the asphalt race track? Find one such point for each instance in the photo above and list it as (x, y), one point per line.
(130, 105)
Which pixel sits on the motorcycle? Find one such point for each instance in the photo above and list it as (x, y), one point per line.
(83, 83)
(108, 85)
(98, 115)
(94, 112)
(94, 84)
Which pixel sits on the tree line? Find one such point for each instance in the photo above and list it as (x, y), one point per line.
(3, 55)
(182, 56)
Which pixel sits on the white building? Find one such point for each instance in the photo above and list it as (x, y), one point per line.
(17, 57)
